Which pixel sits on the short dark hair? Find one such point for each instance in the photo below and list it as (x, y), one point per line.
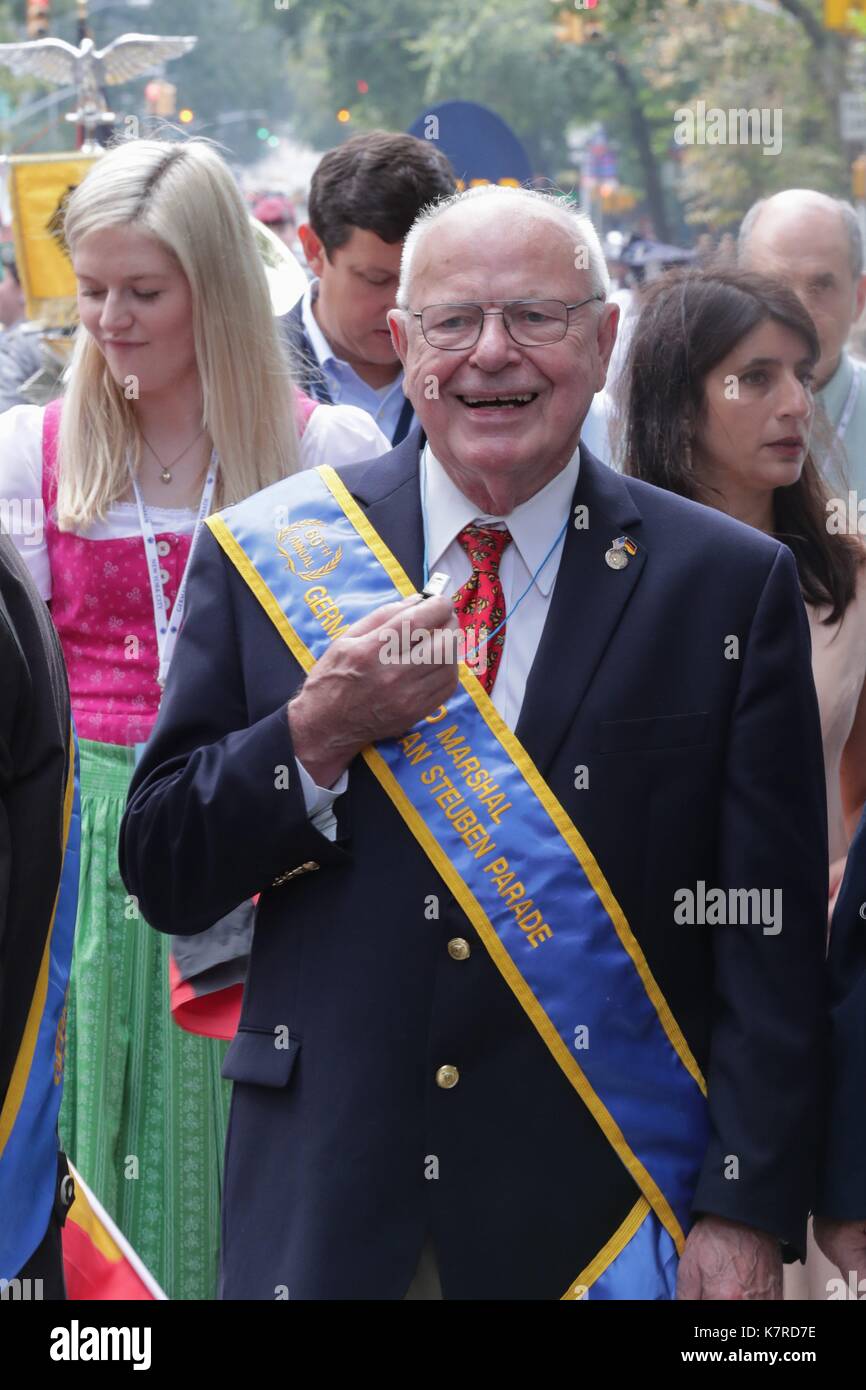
(379, 182)
(689, 323)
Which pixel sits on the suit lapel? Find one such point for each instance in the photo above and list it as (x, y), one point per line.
(586, 605)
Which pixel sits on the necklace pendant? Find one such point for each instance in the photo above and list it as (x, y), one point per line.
(165, 475)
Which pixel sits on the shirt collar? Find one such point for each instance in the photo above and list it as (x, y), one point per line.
(325, 355)
(319, 343)
(834, 395)
(533, 525)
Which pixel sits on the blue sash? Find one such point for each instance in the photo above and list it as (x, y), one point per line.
(515, 862)
(28, 1120)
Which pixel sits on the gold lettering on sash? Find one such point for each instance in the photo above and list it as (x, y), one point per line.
(325, 610)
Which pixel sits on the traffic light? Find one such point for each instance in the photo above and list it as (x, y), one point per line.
(344, 115)
(569, 28)
(185, 116)
(578, 28)
(161, 97)
(38, 18)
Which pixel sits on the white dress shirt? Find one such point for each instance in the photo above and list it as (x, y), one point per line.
(535, 526)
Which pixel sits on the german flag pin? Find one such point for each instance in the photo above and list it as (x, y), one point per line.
(620, 552)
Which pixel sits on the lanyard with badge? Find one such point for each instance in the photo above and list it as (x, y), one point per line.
(167, 627)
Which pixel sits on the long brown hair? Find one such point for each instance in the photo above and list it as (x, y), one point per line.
(688, 323)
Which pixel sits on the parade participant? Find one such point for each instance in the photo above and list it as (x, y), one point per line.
(814, 244)
(364, 197)
(495, 1044)
(39, 830)
(178, 402)
(736, 354)
(840, 1223)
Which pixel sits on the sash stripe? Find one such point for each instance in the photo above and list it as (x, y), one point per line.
(28, 1120)
(24, 1060)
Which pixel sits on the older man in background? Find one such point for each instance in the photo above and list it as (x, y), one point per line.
(482, 1053)
(814, 244)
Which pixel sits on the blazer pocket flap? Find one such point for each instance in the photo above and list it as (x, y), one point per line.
(663, 731)
(261, 1057)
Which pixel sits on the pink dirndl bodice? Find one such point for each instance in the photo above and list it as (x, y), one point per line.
(103, 611)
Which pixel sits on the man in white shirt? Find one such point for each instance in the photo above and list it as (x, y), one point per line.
(363, 199)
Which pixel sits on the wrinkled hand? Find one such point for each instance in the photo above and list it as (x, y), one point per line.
(724, 1260)
(844, 1244)
(353, 697)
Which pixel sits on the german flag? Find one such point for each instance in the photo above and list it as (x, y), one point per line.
(97, 1262)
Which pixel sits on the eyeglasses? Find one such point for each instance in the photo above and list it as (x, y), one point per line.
(529, 322)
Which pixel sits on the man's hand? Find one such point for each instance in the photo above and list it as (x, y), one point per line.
(724, 1260)
(844, 1244)
(352, 697)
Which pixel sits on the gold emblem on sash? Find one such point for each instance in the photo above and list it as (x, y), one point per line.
(298, 543)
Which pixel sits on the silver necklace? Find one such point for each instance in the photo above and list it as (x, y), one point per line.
(166, 468)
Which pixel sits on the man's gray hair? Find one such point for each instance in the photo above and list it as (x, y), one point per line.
(576, 223)
(846, 212)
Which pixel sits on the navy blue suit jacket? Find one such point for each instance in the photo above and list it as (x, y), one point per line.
(702, 766)
(842, 1188)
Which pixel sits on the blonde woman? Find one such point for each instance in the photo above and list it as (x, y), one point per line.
(179, 403)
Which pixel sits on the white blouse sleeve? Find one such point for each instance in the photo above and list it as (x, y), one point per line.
(338, 434)
(21, 510)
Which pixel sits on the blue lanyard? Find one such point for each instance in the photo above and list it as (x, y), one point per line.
(508, 616)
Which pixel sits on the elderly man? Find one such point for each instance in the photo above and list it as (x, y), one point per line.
(534, 1008)
(814, 244)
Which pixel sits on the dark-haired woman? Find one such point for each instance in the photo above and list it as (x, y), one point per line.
(716, 404)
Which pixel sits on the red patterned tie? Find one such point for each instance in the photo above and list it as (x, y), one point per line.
(480, 602)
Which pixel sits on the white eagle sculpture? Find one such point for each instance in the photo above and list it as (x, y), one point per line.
(90, 69)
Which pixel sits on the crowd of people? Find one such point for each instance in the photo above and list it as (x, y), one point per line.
(480, 1052)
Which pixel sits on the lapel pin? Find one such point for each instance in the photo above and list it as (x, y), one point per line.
(620, 552)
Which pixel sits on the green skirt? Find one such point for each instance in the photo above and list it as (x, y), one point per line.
(145, 1109)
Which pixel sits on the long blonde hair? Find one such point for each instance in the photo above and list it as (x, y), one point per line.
(184, 195)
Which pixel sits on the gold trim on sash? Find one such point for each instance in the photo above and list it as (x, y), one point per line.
(609, 1252)
(24, 1060)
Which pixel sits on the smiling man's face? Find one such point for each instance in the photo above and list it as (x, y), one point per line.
(501, 414)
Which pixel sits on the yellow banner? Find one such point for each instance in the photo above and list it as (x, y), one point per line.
(836, 12)
(39, 186)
